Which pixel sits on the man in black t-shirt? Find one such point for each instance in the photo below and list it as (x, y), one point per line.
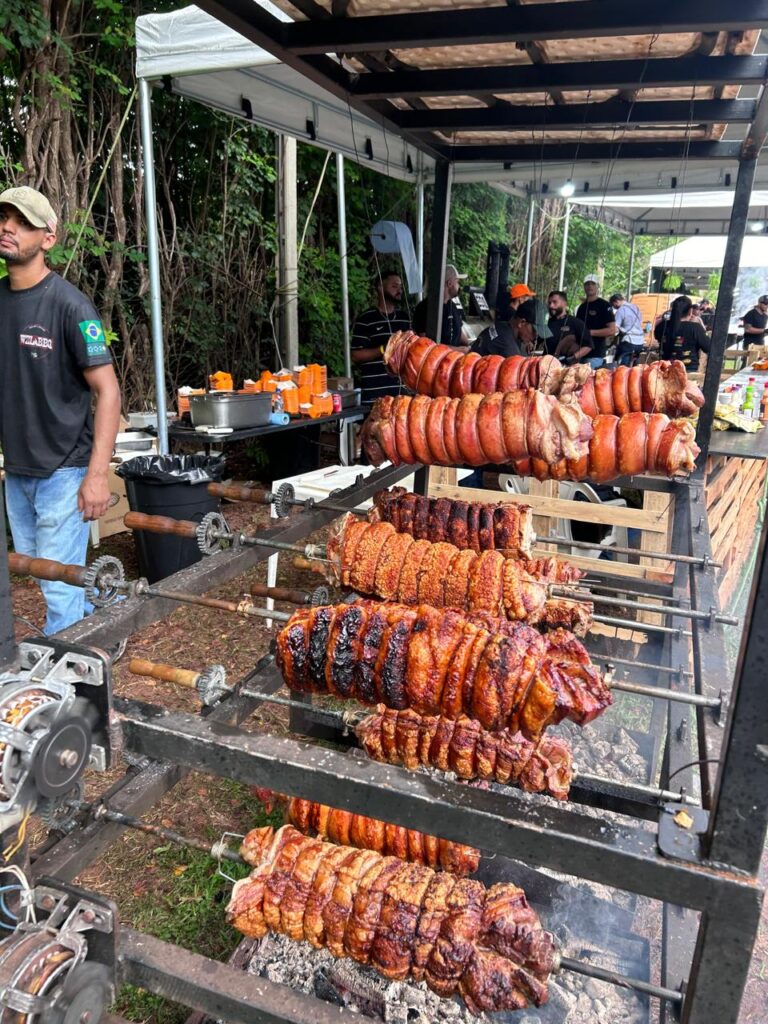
(570, 339)
(372, 331)
(599, 317)
(755, 322)
(53, 362)
(452, 330)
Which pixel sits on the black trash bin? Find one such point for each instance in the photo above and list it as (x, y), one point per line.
(175, 486)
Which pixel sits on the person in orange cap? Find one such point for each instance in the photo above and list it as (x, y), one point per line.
(519, 293)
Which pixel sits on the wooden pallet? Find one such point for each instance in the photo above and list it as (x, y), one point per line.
(734, 489)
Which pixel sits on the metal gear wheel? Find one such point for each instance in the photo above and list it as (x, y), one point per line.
(283, 500)
(57, 812)
(320, 596)
(101, 580)
(208, 532)
(212, 684)
(84, 996)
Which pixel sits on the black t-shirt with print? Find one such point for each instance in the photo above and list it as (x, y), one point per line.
(596, 314)
(689, 340)
(49, 334)
(450, 331)
(560, 327)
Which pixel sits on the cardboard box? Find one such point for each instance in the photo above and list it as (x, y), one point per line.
(112, 520)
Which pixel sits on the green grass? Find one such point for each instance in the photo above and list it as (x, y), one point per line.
(185, 904)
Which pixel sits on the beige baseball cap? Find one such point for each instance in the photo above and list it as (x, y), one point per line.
(32, 204)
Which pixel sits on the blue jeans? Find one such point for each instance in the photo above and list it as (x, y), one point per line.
(46, 523)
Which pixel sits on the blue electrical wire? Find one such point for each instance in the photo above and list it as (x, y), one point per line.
(4, 906)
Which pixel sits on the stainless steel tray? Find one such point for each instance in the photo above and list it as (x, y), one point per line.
(219, 410)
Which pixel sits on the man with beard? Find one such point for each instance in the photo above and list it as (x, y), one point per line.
(372, 331)
(53, 363)
(570, 339)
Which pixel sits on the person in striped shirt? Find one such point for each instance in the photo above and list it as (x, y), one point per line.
(371, 333)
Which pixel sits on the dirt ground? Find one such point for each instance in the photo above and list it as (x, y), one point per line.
(165, 890)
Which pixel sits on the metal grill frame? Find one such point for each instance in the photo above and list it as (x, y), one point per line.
(618, 852)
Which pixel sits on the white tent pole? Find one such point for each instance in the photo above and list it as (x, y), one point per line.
(631, 273)
(153, 261)
(564, 251)
(529, 238)
(420, 237)
(343, 259)
(288, 280)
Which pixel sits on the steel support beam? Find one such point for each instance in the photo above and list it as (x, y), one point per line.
(509, 824)
(631, 270)
(564, 249)
(663, 72)
(570, 152)
(529, 238)
(259, 26)
(738, 225)
(221, 991)
(438, 250)
(341, 204)
(573, 116)
(740, 806)
(519, 24)
(153, 264)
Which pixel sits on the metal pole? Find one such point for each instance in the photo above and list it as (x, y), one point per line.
(441, 210)
(631, 272)
(343, 259)
(529, 237)
(7, 636)
(420, 237)
(287, 230)
(564, 250)
(153, 262)
(736, 229)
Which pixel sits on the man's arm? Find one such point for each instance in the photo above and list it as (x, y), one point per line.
(750, 328)
(94, 495)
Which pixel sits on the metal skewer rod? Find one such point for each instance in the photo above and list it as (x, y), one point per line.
(642, 606)
(101, 812)
(671, 995)
(245, 607)
(282, 498)
(667, 795)
(641, 627)
(648, 664)
(656, 691)
(664, 556)
(588, 581)
(191, 530)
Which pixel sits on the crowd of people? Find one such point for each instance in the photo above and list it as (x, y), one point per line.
(599, 330)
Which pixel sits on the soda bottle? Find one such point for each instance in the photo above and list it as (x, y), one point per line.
(748, 405)
(764, 404)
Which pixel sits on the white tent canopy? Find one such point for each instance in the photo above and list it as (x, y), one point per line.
(692, 211)
(209, 63)
(703, 253)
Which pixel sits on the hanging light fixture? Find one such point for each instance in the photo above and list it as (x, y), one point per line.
(567, 190)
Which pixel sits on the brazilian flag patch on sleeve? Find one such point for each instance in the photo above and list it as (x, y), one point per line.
(93, 335)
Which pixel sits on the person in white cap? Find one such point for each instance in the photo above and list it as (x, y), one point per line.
(599, 317)
(452, 331)
(54, 362)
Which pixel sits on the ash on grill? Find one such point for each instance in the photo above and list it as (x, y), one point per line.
(316, 972)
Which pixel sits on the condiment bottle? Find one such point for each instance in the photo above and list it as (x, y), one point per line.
(764, 404)
(748, 405)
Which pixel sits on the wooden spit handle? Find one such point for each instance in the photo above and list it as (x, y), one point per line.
(238, 492)
(47, 569)
(280, 593)
(161, 524)
(306, 563)
(166, 673)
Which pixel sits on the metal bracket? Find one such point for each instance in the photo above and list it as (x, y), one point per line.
(679, 832)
